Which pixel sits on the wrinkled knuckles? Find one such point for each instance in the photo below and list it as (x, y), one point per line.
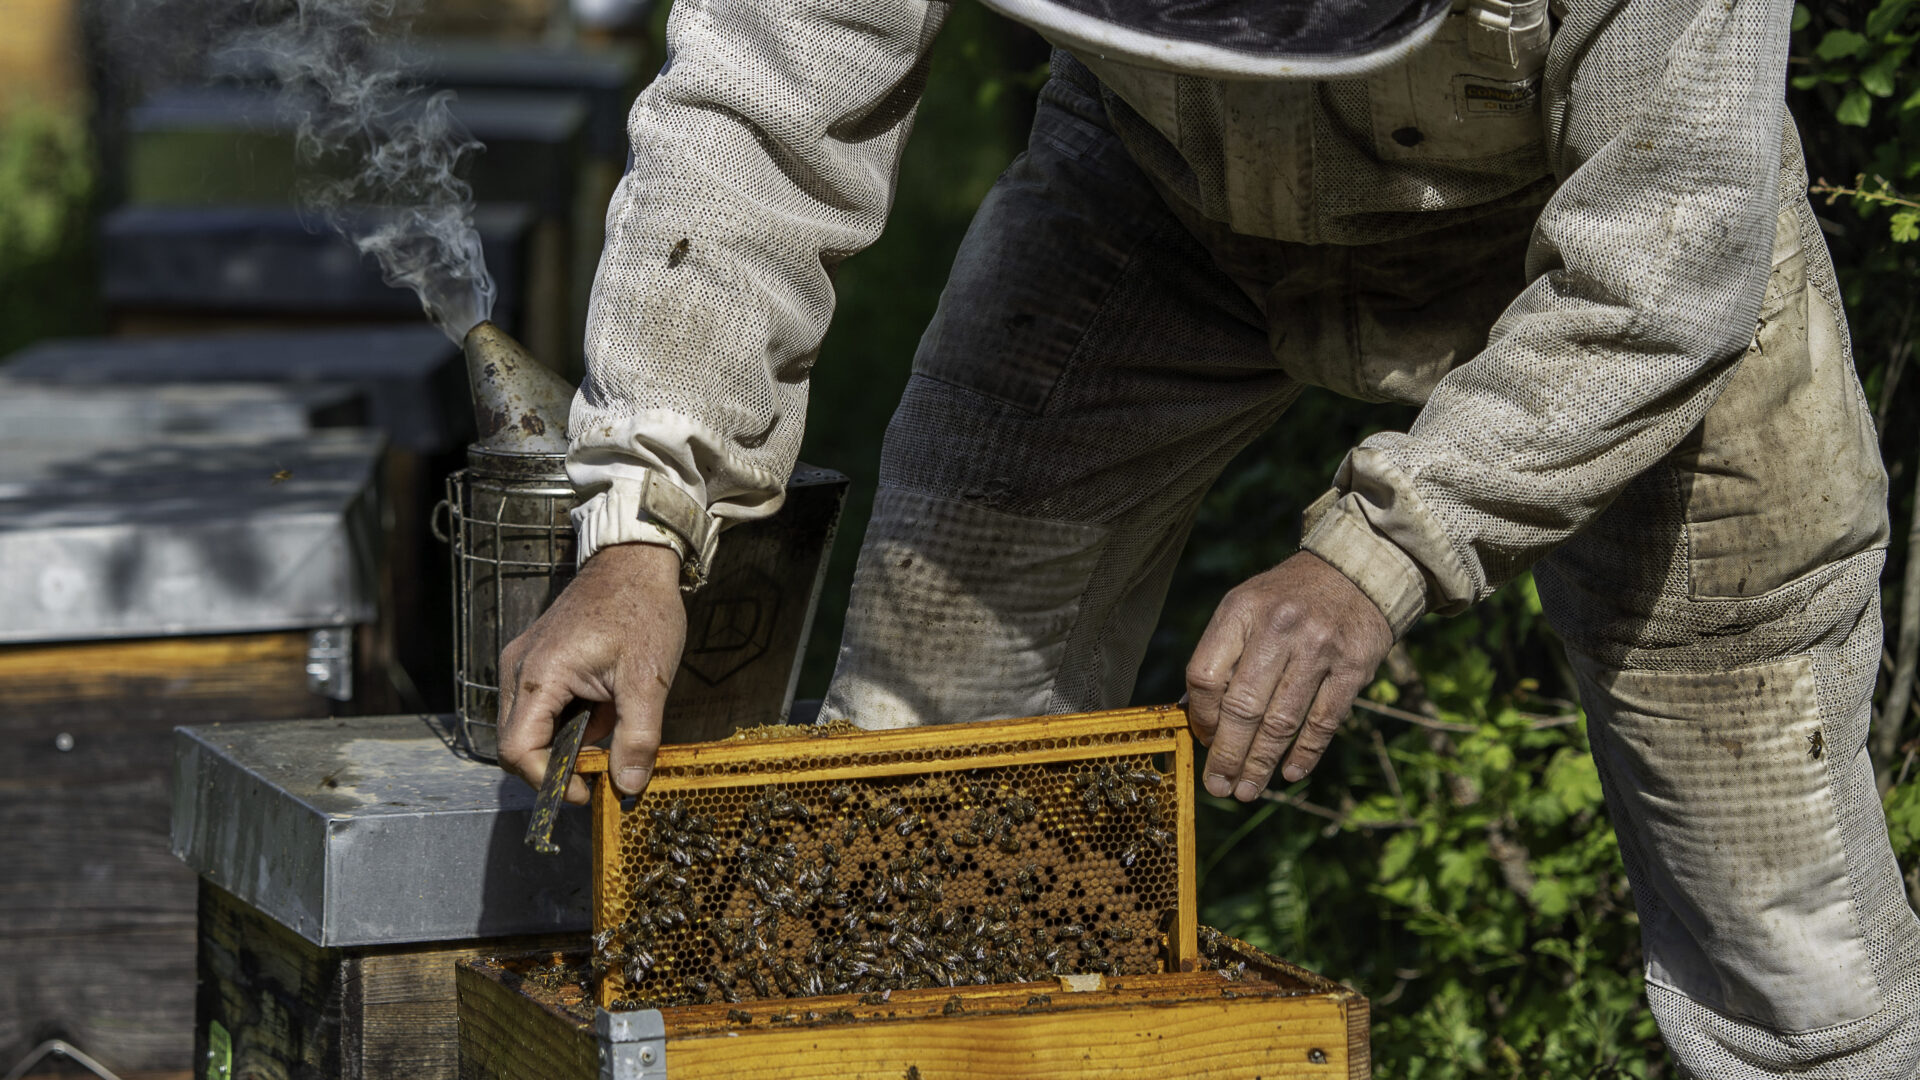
(1281, 728)
(1288, 617)
(1205, 683)
(1259, 766)
(1242, 713)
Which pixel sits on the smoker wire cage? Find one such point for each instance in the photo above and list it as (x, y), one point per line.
(509, 525)
(835, 862)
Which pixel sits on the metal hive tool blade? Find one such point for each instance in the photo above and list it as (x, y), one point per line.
(553, 789)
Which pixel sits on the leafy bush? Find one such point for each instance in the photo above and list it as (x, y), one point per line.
(46, 183)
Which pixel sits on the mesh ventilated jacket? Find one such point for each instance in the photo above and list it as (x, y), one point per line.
(769, 145)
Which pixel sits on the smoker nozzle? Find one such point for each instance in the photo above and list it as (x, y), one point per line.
(520, 405)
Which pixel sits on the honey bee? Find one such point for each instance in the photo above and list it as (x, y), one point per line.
(739, 1016)
(678, 252)
(281, 476)
(1029, 883)
(1816, 744)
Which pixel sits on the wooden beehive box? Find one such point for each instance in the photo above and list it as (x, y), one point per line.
(821, 862)
(1274, 1022)
(988, 900)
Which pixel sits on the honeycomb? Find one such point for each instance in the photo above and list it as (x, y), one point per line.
(891, 870)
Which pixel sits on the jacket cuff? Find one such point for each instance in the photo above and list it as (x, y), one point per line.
(648, 509)
(1337, 531)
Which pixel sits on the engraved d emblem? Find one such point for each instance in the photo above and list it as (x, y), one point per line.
(732, 628)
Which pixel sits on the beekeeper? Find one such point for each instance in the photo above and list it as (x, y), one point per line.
(1578, 239)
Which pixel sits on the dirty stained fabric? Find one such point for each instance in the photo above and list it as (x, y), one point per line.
(1647, 133)
(1720, 612)
(1587, 256)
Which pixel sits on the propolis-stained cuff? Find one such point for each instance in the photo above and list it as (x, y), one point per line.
(631, 511)
(1390, 579)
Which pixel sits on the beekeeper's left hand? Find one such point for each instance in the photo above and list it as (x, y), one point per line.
(1281, 662)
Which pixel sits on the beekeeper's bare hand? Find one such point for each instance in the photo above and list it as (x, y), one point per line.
(1281, 662)
(613, 637)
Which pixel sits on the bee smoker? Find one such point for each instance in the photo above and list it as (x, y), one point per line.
(508, 520)
(507, 517)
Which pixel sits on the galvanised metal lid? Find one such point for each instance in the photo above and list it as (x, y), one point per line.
(371, 831)
(188, 534)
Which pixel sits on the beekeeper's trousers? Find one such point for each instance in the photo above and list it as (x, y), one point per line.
(1093, 366)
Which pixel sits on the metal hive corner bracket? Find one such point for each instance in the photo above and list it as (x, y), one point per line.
(633, 1045)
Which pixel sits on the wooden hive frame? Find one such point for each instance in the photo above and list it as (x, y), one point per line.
(933, 783)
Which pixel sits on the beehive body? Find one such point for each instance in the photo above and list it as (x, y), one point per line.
(868, 862)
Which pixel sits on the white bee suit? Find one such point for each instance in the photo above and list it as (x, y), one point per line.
(1579, 240)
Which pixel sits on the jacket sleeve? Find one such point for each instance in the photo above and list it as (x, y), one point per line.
(763, 153)
(1646, 274)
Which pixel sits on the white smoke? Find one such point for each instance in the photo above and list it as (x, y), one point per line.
(382, 153)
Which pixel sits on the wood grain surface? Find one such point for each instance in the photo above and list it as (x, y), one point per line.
(96, 915)
(1148, 1026)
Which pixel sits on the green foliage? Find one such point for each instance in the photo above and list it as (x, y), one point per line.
(1865, 63)
(46, 182)
(1903, 816)
(1855, 63)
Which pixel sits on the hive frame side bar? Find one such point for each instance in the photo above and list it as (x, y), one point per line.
(606, 838)
(1186, 931)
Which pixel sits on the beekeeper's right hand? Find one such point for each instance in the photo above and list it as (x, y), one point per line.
(613, 637)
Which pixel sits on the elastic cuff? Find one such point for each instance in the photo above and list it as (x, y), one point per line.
(1342, 537)
(601, 522)
(649, 510)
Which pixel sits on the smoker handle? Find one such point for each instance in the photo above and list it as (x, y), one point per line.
(442, 513)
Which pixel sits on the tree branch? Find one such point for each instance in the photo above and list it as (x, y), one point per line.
(1339, 818)
(1411, 717)
(1512, 857)
(1906, 654)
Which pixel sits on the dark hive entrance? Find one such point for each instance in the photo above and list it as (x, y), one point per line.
(990, 875)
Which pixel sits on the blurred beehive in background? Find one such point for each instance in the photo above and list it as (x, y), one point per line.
(244, 328)
(40, 55)
(186, 566)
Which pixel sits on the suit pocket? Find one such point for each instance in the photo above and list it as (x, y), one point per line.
(1783, 476)
(1473, 93)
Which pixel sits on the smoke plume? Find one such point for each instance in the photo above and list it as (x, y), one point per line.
(382, 153)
